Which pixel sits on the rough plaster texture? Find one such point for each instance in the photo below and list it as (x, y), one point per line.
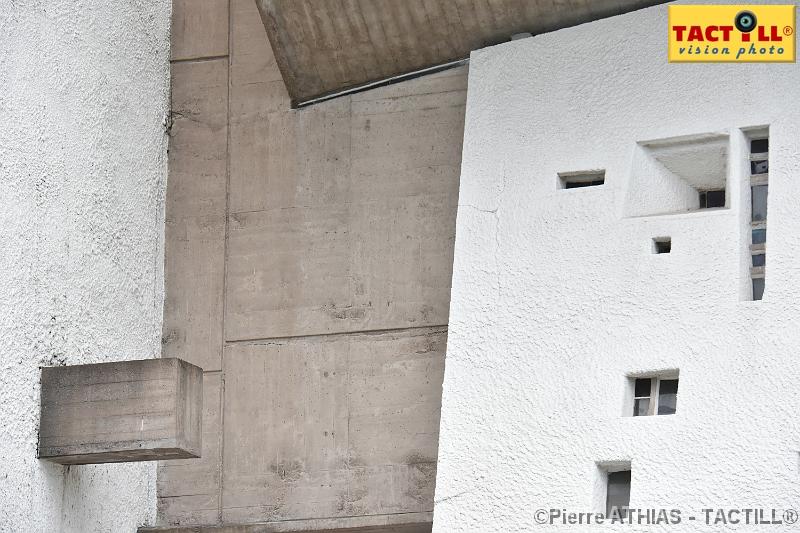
(557, 296)
(83, 101)
(304, 234)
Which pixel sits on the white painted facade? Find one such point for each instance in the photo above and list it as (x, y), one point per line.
(83, 106)
(558, 297)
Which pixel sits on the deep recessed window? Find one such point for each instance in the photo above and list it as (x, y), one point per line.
(656, 395)
(618, 493)
(588, 178)
(662, 245)
(715, 198)
(759, 146)
(759, 190)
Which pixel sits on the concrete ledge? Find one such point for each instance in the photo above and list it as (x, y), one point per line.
(393, 523)
(121, 412)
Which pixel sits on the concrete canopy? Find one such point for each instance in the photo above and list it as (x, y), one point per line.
(326, 46)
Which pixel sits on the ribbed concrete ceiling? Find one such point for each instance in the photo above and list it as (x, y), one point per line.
(325, 46)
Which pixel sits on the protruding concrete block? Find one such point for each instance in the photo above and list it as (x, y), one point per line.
(121, 412)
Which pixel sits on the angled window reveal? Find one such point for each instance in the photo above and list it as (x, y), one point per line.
(678, 175)
(583, 178)
(662, 245)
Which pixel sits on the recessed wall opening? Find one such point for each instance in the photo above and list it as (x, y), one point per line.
(711, 199)
(582, 178)
(759, 190)
(662, 245)
(679, 174)
(613, 489)
(653, 394)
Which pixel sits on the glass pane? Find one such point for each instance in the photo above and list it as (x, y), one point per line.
(618, 492)
(759, 236)
(642, 387)
(759, 260)
(715, 198)
(759, 167)
(758, 288)
(667, 396)
(641, 407)
(759, 198)
(759, 146)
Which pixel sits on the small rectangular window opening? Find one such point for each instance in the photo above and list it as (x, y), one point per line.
(587, 178)
(712, 198)
(656, 395)
(662, 245)
(618, 493)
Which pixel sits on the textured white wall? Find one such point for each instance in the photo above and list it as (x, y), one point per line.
(83, 100)
(557, 296)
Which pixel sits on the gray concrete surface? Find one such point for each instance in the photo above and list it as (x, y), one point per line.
(302, 243)
(121, 412)
(327, 45)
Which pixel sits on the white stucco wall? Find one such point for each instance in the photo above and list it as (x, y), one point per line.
(83, 100)
(557, 297)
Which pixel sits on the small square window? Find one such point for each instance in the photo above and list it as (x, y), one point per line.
(655, 395)
(715, 198)
(759, 146)
(662, 245)
(759, 260)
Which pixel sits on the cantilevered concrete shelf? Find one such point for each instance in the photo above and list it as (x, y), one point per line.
(121, 412)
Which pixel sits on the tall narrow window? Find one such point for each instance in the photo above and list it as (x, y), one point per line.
(618, 493)
(759, 188)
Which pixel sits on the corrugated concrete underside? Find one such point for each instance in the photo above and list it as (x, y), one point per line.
(308, 265)
(324, 46)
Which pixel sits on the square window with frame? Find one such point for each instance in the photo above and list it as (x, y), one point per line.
(655, 395)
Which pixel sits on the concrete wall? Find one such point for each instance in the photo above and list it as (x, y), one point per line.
(308, 270)
(557, 295)
(83, 106)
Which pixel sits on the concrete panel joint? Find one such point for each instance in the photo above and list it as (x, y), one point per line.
(121, 412)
